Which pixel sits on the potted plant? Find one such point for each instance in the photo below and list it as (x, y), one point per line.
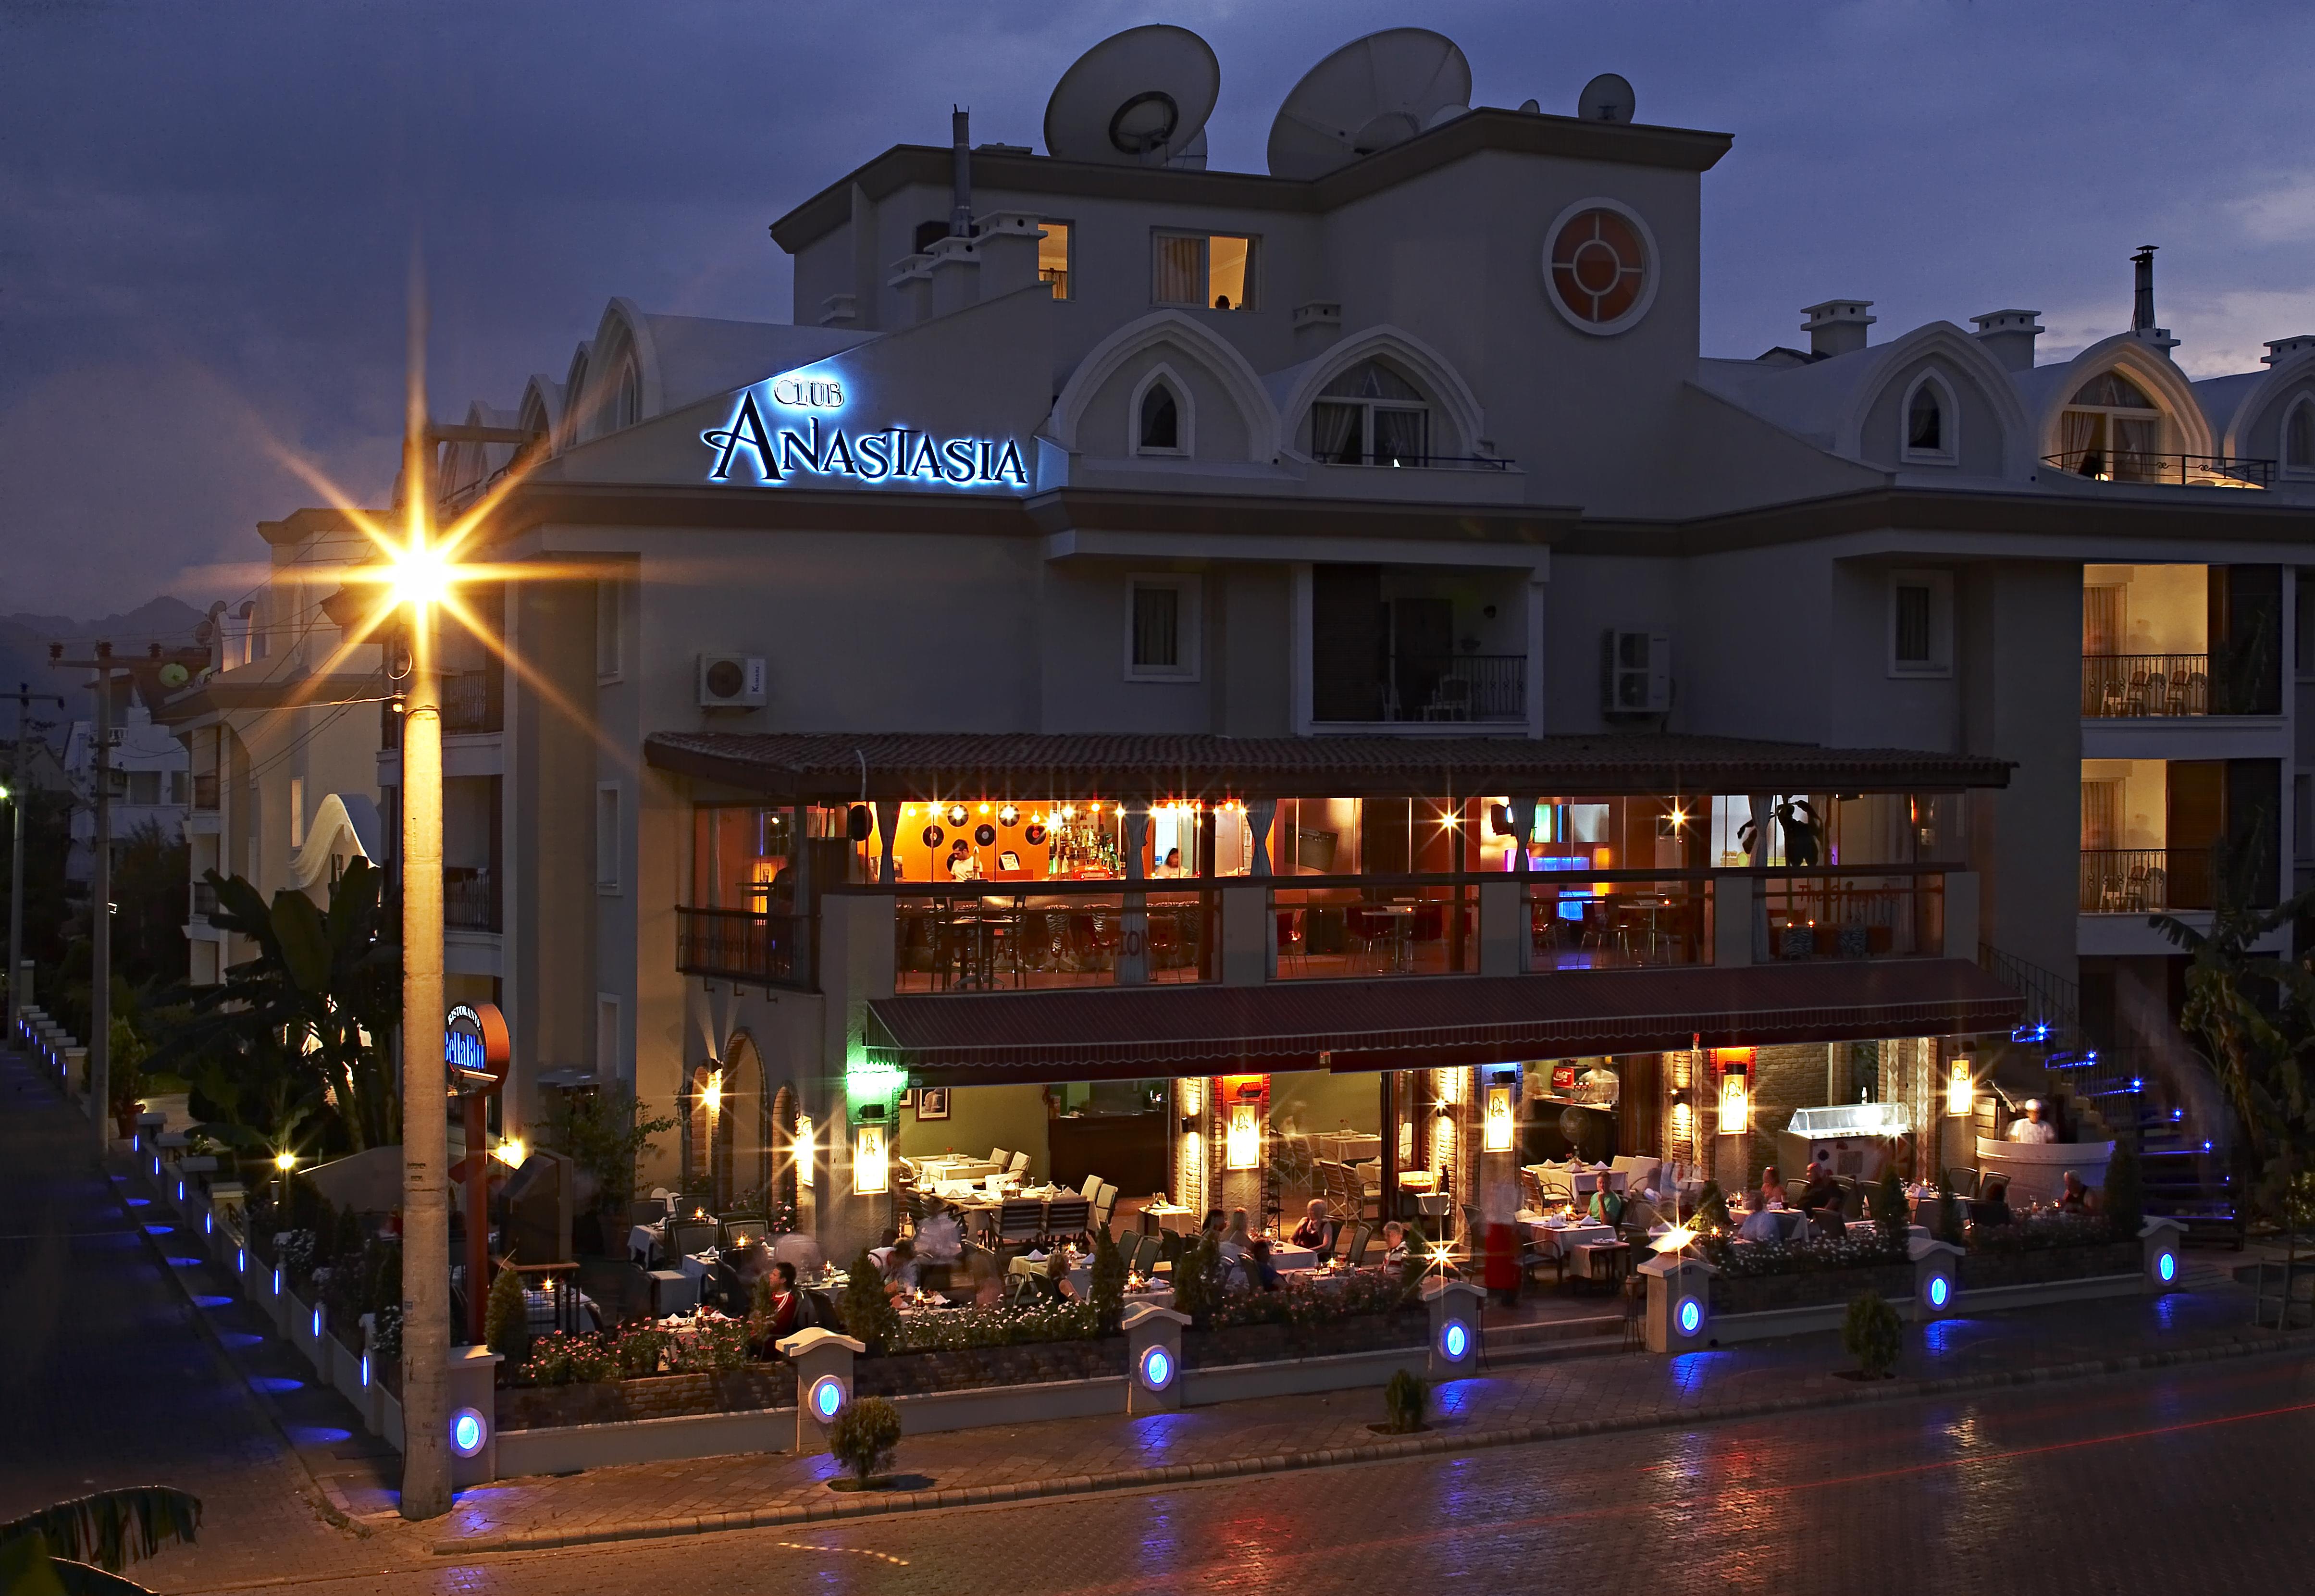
(1873, 1335)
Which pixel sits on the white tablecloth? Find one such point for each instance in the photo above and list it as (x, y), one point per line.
(1173, 1217)
(1563, 1239)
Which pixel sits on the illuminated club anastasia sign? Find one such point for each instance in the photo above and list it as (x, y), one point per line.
(766, 437)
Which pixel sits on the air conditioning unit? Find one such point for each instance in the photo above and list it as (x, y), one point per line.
(731, 681)
(1635, 673)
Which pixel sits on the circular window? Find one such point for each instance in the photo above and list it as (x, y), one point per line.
(1599, 266)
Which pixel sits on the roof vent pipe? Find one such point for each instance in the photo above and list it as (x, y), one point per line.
(2141, 310)
(959, 216)
(1837, 327)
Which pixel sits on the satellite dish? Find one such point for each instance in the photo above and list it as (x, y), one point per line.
(1533, 106)
(1607, 98)
(1138, 98)
(1371, 94)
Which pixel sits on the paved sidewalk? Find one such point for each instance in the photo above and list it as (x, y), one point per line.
(1517, 1404)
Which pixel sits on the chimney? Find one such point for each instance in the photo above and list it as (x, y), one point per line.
(2009, 335)
(2280, 350)
(2141, 304)
(1837, 327)
(960, 160)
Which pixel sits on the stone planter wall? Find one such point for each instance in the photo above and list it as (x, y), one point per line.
(1774, 1293)
(660, 1396)
(1262, 1343)
(1983, 1271)
(963, 1368)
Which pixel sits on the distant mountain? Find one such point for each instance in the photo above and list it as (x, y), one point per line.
(24, 642)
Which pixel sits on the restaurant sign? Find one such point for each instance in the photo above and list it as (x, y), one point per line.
(765, 441)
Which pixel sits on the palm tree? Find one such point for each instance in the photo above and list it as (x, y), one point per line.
(80, 1546)
(306, 1021)
(2251, 1016)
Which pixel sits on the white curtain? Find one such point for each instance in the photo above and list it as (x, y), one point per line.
(1182, 270)
(2077, 434)
(1335, 433)
(1402, 436)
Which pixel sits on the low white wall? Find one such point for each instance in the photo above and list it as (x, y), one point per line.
(1298, 1376)
(1009, 1405)
(570, 1447)
(1726, 1328)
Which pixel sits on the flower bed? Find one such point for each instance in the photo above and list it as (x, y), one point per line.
(1271, 1343)
(2031, 1266)
(965, 1369)
(657, 1396)
(1770, 1293)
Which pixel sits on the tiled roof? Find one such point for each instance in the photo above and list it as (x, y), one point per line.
(1406, 1024)
(833, 766)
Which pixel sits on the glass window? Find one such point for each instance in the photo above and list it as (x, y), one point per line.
(1371, 415)
(1599, 267)
(1912, 625)
(1925, 418)
(2112, 390)
(1214, 271)
(1157, 627)
(2299, 436)
(1054, 257)
(1161, 418)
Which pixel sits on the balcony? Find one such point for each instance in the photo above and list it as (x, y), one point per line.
(470, 899)
(733, 945)
(989, 936)
(2145, 685)
(2144, 881)
(2191, 471)
(1442, 689)
(471, 702)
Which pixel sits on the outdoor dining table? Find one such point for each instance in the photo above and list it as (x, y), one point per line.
(1171, 1217)
(1563, 1240)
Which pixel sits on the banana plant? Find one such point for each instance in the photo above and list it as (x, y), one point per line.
(308, 1019)
(78, 1547)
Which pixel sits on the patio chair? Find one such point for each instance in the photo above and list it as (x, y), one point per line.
(686, 1236)
(1290, 935)
(999, 1156)
(740, 1232)
(1020, 1164)
(1961, 1181)
(1091, 1189)
(1019, 1223)
(1069, 1216)
(1104, 1205)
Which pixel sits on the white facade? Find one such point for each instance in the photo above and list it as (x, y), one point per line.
(150, 784)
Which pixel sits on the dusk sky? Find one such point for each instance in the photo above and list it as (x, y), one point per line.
(207, 206)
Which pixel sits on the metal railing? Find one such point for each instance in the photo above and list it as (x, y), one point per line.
(982, 937)
(2144, 881)
(2129, 684)
(1348, 926)
(470, 899)
(737, 945)
(1437, 688)
(1425, 462)
(2192, 471)
(1589, 924)
(471, 702)
(1849, 914)
(205, 789)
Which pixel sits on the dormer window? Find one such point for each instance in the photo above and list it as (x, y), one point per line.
(1161, 421)
(1371, 415)
(1929, 424)
(2110, 431)
(631, 396)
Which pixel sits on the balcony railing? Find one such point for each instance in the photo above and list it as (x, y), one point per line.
(470, 899)
(2191, 471)
(1349, 926)
(2144, 881)
(739, 946)
(1849, 914)
(985, 936)
(205, 789)
(471, 702)
(1449, 688)
(2125, 686)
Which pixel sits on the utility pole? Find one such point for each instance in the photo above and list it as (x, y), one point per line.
(99, 898)
(17, 791)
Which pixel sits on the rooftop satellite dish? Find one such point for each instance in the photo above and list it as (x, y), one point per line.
(1533, 107)
(1139, 98)
(1607, 98)
(1371, 94)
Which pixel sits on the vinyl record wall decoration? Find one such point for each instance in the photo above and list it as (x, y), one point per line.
(933, 836)
(985, 834)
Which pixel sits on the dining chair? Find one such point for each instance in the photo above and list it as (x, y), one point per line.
(1019, 1223)
(686, 1236)
(1104, 1205)
(1020, 1164)
(1091, 1189)
(1069, 1216)
(740, 1232)
(1351, 1238)
(999, 1156)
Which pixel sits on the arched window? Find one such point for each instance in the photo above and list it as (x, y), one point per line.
(2110, 431)
(630, 396)
(1371, 415)
(1925, 422)
(2299, 437)
(1161, 420)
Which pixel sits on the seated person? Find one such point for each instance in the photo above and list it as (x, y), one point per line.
(1171, 865)
(1314, 1231)
(1994, 1207)
(963, 864)
(2077, 1198)
(1641, 1214)
(1822, 1190)
(798, 1249)
(896, 1265)
(1394, 1243)
(787, 1304)
(1606, 1206)
(1772, 1188)
(1261, 1273)
(1760, 1222)
(1053, 1284)
(1237, 1240)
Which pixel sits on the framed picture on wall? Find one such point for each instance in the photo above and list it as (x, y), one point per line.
(932, 1103)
